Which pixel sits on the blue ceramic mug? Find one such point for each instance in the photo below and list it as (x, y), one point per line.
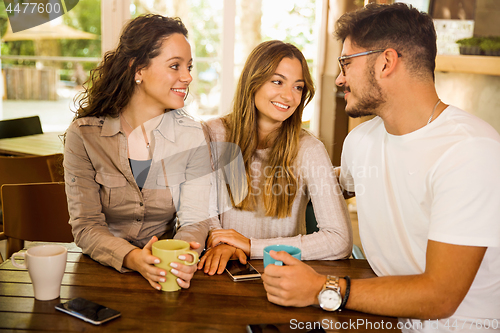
(292, 250)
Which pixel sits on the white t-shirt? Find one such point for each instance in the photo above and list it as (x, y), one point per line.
(441, 182)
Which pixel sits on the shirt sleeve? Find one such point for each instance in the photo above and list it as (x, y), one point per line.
(334, 238)
(87, 220)
(346, 179)
(193, 211)
(196, 232)
(465, 189)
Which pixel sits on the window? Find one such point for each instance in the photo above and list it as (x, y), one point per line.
(203, 19)
(222, 34)
(43, 73)
(293, 21)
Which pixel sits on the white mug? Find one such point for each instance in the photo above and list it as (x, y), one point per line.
(46, 265)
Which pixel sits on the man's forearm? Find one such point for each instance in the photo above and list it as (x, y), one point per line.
(411, 296)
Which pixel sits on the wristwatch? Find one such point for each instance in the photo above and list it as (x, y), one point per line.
(329, 297)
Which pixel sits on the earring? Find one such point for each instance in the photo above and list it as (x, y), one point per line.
(138, 81)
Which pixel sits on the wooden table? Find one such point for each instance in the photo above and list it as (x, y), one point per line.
(212, 304)
(39, 144)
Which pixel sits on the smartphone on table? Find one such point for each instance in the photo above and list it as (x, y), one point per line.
(87, 310)
(241, 272)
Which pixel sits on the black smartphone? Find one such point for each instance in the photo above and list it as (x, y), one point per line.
(87, 310)
(240, 272)
(282, 328)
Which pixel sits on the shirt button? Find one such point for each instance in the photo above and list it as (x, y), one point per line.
(141, 204)
(138, 220)
(181, 121)
(73, 180)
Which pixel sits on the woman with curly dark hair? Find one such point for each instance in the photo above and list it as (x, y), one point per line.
(136, 166)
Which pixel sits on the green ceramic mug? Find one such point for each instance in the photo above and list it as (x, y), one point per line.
(169, 250)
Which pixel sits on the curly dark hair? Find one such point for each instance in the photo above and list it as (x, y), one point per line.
(112, 83)
(399, 26)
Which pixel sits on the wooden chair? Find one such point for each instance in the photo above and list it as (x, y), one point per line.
(56, 169)
(35, 212)
(11, 128)
(29, 169)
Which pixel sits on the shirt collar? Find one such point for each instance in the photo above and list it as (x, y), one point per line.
(110, 125)
(167, 125)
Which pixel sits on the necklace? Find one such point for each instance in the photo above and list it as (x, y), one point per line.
(143, 131)
(432, 114)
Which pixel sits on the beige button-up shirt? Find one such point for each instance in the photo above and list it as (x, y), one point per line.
(109, 214)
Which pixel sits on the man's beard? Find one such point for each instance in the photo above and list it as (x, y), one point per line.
(370, 101)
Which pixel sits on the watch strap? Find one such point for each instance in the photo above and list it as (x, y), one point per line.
(347, 291)
(332, 282)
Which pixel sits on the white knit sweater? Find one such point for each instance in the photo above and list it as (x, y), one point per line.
(316, 182)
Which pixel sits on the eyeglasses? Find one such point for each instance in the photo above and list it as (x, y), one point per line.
(343, 58)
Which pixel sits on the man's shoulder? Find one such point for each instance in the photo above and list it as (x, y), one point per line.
(461, 123)
(368, 129)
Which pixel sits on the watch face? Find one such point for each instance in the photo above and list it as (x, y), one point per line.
(330, 300)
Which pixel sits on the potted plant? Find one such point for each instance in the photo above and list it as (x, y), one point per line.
(491, 46)
(470, 45)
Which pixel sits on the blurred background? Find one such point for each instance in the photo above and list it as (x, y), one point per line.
(43, 68)
(49, 69)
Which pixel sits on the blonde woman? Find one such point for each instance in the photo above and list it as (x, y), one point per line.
(285, 166)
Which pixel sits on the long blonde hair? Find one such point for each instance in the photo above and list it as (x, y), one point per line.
(242, 128)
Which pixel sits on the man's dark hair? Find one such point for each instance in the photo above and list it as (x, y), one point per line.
(399, 26)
